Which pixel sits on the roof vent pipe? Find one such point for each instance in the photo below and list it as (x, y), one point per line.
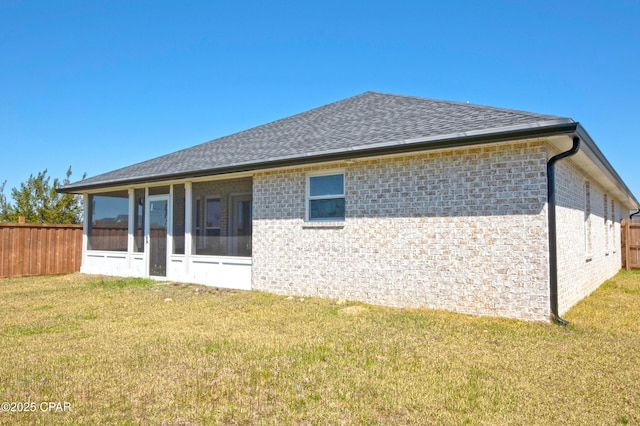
(551, 210)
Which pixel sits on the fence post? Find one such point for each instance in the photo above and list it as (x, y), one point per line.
(623, 243)
(22, 219)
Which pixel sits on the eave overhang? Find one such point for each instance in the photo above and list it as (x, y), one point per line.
(594, 164)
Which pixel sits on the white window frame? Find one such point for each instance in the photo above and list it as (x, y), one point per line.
(309, 198)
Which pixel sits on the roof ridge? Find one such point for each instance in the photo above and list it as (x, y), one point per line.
(279, 120)
(374, 92)
(467, 104)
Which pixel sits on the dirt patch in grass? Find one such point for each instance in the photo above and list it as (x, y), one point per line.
(118, 352)
(353, 310)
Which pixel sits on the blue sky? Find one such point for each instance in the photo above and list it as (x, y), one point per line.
(98, 85)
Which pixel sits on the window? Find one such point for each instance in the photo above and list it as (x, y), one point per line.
(587, 218)
(212, 224)
(197, 221)
(325, 197)
(612, 224)
(606, 226)
(108, 221)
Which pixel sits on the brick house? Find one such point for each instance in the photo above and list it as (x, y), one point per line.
(381, 198)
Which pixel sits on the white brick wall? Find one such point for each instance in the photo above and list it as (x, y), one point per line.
(579, 272)
(463, 230)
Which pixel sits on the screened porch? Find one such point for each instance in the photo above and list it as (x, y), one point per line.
(192, 231)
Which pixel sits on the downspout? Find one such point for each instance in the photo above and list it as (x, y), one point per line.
(551, 210)
(633, 214)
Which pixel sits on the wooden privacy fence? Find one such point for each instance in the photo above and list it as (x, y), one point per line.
(34, 249)
(630, 243)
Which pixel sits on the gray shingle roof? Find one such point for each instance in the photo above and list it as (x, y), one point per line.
(357, 124)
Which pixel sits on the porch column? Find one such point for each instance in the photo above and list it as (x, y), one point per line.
(131, 226)
(188, 206)
(170, 242)
(85, 227)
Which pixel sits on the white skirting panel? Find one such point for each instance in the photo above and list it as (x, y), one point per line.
(137, 266)
(215, 271)
(106, 263)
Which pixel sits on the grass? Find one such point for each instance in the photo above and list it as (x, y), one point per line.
(131, 351)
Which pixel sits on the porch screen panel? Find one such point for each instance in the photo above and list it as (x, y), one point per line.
(138, 221)
(108, 221)
(222, 217)
(178, 219)
(207, 218)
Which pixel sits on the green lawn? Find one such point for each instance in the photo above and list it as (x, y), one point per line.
(134, 351)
